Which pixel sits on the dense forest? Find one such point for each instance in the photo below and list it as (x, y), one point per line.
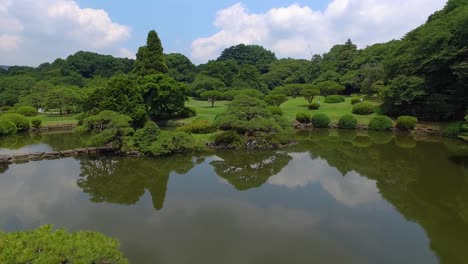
(425, 74)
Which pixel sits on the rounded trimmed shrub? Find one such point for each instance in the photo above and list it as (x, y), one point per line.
(363, 108)
(303, 117)
(380, 123)
(6, 108)
(21, 122)
(334, 99)
(320, 120)
(275, 110)
(36, 122)
(355, 100)
(188, 112)
(347, 122)
(406, 123)
(7, 128)
(27, 111)
(226, 138)
(453, 130)
(314, 105)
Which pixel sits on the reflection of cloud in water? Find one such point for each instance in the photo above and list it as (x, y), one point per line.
(350, 190)
(28, 195)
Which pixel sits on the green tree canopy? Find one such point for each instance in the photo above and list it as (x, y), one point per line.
(150, 58)
(249, 54)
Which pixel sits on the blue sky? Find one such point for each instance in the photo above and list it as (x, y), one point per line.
(32, 32)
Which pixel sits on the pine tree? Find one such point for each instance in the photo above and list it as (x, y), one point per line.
(150, 58)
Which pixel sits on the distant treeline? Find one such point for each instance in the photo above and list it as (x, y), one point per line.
(425, 74)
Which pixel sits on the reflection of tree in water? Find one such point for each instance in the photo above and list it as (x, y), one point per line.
(124, 180)
(246, 170)
(421, 180)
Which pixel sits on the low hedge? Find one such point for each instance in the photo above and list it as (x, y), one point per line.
(303, 117)
(363, 108)
(347, 122)
(334, 99)
(380, 123)
(36, 122)
(198, 126)
(406, 123)
(321, 120)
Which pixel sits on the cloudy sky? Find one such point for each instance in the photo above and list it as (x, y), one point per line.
(34, 31)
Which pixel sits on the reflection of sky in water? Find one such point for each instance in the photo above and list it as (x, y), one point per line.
(27, 149)
(308, 212)
(351, 189)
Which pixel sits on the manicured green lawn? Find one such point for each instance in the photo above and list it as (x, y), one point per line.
(204, 109)
(55, 119)
(290, 108)
(334, 111)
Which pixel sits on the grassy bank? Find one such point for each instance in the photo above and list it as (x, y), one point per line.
(52, 119)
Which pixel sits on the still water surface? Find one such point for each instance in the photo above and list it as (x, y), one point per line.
(340, 198)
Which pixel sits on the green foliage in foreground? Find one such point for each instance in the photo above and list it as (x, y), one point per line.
(107, 127)
(7, 128)
(320, 120)
(144, 137)
(20, 121)
(406, 123)
(45, 245)
(347, 122)
(380, 123)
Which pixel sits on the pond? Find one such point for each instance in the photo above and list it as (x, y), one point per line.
(334, 198)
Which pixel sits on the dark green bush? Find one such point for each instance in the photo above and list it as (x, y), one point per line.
(406, 123)
(320, 120)
(27, 111)
(363, 108)
(198, 126)
(453, 130)
(314, 105)
(380, 123)
(174, 142)
(21, 122)
(347, 122)
(144, 137)
(45, 245)
(188, 112)
(275, 110)
(355, 100)
(7, 128)
(303, 117)
(334, 99)
(226, 138)
(36, 122)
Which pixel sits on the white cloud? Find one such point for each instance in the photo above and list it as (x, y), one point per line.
(298, 31)
(38, 31)
(125, 53)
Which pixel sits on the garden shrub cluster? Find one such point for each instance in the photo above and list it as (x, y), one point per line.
(174, 142)
(226, 138)
(7, 128)
(275, 110)
(144, 137)
(363, 108)
(27, 111)
(380, 123)
(457, 130)
(303, 117)
(314, 105)
(334, 99)
(406, 123)
(320, 120)
(188, 112)
(198, 126)
(45, 245)
(20, 121)
(347, 122)
(36, 122)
